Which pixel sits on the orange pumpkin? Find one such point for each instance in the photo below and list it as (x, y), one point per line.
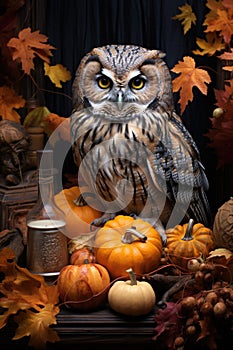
(78, 256)
(125, 242)
(84, 286)
(188, 241)
(78, 218)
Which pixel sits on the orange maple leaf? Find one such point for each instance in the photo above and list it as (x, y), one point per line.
(213, 5)
(190, 76)
(223, 24)
(9, 100)
(27, 45)
(27, 295)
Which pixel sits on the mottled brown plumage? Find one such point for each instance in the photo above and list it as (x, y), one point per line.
(128, 143)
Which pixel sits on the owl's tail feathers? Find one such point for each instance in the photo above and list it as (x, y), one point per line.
(205, 181)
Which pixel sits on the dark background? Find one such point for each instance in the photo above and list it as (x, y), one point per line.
(75, 27)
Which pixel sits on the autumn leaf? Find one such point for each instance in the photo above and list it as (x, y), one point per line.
(228, 4)
(36, 117)
(187, 17)
(36, 325)
(209, 46)
(27, 45)
(57, 74)
(167, 324)
(28, 296)
(222, 24)
(221, 133)
(190, 76)
(224, 99)
(9, 100)
(213, 5)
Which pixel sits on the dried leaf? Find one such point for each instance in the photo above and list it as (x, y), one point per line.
(9, 100)
(167, 324)
(223, 24)
(214, 6)
(190, 76)
(228, 4)
(27, 295)
(27, 45)
(220, 255)
(221, 133)
(57, 74)
(37, 325)
(209, 46)
(187, 17)
(36, 117)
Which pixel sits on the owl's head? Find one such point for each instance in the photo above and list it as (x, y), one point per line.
(120, 79)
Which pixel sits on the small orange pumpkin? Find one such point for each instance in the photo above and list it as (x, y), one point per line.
(84, 286)
(78, 256)
(78, 218)
(188, 241)
(126, 242)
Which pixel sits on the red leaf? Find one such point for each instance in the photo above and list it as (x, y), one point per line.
(168, 324)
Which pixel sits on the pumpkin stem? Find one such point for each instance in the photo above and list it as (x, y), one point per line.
(132, 276)
(128, 235)
(188, 233)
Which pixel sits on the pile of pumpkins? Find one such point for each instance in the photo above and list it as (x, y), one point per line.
(123, 250)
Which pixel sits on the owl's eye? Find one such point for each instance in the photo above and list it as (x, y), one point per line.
(104, 82)
(137, 83)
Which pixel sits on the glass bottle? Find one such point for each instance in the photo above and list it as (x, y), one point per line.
(47, 249)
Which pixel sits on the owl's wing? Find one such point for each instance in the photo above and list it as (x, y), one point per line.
(181, 176)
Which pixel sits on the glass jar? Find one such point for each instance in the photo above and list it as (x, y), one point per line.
(47, 251)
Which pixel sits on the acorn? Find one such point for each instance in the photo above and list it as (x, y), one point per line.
(218, 112)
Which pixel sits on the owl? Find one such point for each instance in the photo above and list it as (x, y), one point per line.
(129, 145)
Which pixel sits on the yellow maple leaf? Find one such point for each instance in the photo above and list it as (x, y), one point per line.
(190, 76)
(223, 24)
(36, 325)
(187, 17)
(9, 100)
(36, 117)
(209, 46)
(27, 45)
(57, 74)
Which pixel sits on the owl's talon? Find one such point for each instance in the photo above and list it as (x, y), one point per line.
(102, 220)
(80, 201)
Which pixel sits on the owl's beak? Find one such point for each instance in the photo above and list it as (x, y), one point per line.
(120, 99)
